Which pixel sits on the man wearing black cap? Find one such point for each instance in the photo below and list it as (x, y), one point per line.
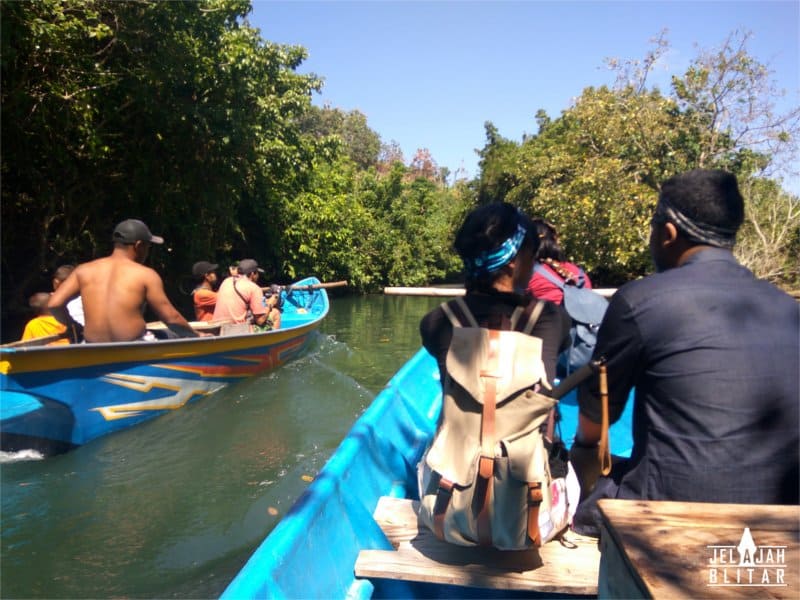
(712, 353)
(204, 296)
(114, 290)
(241, 300)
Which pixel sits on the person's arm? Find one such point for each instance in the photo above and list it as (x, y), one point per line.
(160, 304)
(273, 311)
(205, 298)
(619, 343)
(260, 312)
(553, 329)
(69, 289)
(436, 333)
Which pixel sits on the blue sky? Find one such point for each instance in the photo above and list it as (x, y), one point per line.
(429, 74)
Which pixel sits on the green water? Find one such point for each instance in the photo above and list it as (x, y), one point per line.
(174, 507)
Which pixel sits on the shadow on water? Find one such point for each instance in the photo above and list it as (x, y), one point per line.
(175, 506)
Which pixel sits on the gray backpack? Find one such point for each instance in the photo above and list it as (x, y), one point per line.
(586, 309)
(485, 480)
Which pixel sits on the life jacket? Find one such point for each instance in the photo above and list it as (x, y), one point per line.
(485, 480)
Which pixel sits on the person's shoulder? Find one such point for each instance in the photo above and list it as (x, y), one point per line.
(92, 265)
(251, 285)
(775, 294)
(551, 311)
(432, 319)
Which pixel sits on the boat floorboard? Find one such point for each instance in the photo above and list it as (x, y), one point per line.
(568, 565)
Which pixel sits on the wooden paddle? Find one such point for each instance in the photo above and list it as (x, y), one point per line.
(311, 286)
(196, 325)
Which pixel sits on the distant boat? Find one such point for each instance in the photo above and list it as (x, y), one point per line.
(313, 551)
(55, 398)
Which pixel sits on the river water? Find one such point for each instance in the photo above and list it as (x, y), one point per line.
(174, 507)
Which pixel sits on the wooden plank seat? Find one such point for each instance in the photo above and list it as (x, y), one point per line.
(567, 565)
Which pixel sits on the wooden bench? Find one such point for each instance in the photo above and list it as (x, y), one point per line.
(568, 566)
(691, 550)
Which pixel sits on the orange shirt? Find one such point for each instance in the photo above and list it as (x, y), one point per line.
(42, 327)
(205, 301)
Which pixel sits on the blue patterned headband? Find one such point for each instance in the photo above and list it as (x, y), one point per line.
(492, 260)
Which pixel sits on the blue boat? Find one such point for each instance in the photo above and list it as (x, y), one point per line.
(55, 398)
(312, 551)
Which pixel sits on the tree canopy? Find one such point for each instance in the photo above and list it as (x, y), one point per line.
(181, 114)
(595, 170)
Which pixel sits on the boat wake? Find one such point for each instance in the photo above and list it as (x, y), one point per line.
(19, 456)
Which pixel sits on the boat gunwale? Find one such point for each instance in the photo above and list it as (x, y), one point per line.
(20, 360)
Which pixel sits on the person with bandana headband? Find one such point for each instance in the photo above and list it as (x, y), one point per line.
(497, 245)
(713, 354)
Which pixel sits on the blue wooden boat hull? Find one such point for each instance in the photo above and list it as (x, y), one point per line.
(311, 553)
(53, 398)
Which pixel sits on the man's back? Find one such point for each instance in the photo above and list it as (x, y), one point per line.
(716, 375)
(113, 290)
(235, 296)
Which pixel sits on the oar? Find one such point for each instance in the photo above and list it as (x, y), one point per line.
(34, 342)
(311, 286)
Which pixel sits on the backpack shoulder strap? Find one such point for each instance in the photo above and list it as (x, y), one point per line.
(516, 316)
(545, 272)
(580, 280)
(466, 318)
(533, 312)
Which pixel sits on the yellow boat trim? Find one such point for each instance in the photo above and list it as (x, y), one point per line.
(53, 358)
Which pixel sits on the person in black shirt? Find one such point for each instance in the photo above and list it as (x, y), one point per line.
(713, 354)
(497, 244)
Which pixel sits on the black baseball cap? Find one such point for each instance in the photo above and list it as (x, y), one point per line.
(131, 231)
(202, 268)
(248, 265)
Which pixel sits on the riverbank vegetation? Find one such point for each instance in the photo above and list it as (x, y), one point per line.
(181, 114)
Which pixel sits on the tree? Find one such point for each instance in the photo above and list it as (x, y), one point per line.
(174, 112)
(731, 97)
(390, 153)
(361, 143)
(423, 165)
(595, 171)
(498, 170)
(769, 240)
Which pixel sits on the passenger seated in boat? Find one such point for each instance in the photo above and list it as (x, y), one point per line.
(204, 296)
(713, 354)
(115, 288)
(272, 299)
(241, 300)
(552, 258)
(493, 292)
(43, 324)
(485, 479)
(74, 306)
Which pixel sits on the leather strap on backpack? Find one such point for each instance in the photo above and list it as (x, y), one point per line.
(443, 496)
(486, 462)
(603, 450)
(534, 502)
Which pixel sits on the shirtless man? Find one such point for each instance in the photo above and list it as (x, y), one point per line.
(114, 290)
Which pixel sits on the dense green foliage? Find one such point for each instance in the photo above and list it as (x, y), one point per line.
(180, 114)
(595, 171)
